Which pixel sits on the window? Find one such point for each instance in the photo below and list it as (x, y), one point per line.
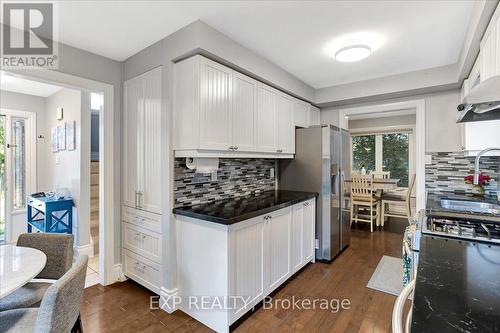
(383, 152)
(19, 163)
(363, 152)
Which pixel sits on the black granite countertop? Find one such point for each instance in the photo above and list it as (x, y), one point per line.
(457, 287)
(434, 206)
(233, 210)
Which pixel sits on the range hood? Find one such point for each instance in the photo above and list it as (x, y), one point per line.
(482, 102)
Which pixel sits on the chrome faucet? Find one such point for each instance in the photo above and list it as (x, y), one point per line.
(476, 165)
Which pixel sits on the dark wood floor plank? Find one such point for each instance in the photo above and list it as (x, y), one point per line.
(125, 307)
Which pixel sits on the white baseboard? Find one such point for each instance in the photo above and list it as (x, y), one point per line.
(84, 250)
(92, 246)
(169, 300)
(116, 275)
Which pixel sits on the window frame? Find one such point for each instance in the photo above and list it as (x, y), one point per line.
(30, 158)
(378, 132)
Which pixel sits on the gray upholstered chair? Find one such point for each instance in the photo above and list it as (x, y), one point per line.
(59, 309)
(59, 251)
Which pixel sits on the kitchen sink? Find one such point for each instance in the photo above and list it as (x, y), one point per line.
(471, 206)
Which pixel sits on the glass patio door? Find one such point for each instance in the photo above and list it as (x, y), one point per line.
(12, 170)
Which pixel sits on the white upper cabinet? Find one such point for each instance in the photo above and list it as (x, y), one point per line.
(219, 112)
(490, 48)
(301, 113)
(151, 137)
(215, 106)
(314, 116)
(267, 136)
(285, 125)
(244, 113)
(132, 106)
(142, 142)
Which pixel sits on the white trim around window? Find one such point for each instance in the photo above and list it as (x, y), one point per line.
(418, 108)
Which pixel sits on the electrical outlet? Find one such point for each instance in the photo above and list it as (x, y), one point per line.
(271, 173)
(57, 159)
(316, 244)
(214, 175)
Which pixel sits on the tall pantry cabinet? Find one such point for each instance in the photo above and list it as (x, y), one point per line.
(142, 192)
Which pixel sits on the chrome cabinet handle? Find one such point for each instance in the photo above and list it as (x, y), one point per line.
(231, 148)
(139, 196)
(279, 150)
(235, 147)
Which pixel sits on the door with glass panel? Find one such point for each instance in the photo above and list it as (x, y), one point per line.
(13, 168)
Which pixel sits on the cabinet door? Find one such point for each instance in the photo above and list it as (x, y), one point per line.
(488, 54)
(308, 230)
(278, 233)
(267, 138)
(301, 114)
(150, 144)
(244, 113)
(314, 116)
(247, 265)
(297, 237)
(285, 125)
(215, 106)
(132, 106)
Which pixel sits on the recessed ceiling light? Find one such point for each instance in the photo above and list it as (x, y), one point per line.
(353, 53)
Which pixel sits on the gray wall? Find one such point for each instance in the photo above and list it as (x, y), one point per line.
(381, 122)
(21, 102)
(442, 133)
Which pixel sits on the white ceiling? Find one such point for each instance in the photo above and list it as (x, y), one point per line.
(28, 87)
(413, 35)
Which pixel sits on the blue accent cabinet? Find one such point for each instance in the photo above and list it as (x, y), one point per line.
(49, 214)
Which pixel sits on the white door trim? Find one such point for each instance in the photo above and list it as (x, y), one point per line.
(107, 211)
(418, 107)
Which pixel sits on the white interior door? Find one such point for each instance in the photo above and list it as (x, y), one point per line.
(16, 178)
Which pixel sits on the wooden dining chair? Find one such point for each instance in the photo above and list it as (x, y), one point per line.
(363, 196)
(381, 174)
(398, 198)
(59, 251)
(59, 309)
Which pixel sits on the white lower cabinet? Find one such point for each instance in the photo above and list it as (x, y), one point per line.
(142, 270)
(278, 229)
(242, 263)
(142, 247)
(303, 231)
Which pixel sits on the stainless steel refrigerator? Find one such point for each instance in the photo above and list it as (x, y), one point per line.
(321, 165)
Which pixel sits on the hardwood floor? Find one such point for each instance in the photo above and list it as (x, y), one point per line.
(124, 307)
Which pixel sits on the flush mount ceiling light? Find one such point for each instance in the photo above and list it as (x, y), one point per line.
(353, 53)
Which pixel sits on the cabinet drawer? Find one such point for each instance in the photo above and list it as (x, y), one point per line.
(142, 218)
(142, 241)
(142, 270)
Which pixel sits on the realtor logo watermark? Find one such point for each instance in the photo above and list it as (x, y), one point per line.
(28, 34)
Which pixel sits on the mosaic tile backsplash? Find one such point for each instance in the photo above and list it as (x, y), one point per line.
(447, 171)
(235, 177)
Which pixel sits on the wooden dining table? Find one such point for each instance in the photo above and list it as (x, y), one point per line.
(18, 266)
(378, 184)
